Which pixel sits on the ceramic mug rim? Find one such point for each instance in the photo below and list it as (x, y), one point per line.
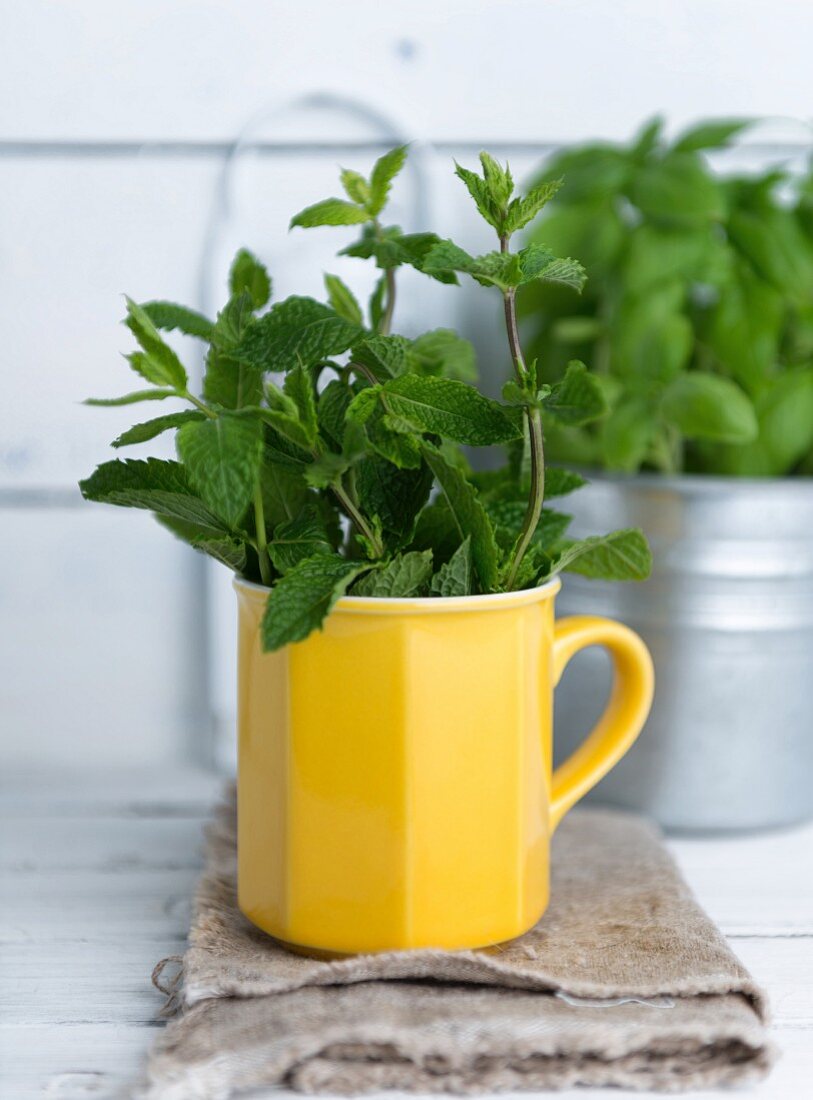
(386, 605)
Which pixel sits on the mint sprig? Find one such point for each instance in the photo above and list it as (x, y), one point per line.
(323, 455)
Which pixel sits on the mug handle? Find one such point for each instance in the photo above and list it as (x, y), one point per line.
(624, 715)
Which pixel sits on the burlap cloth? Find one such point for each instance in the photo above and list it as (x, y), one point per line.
(625, 981)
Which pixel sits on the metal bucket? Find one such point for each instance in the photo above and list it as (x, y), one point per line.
(728, 617)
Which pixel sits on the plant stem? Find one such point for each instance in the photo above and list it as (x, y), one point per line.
(199, 405)
(533, 419)
(389, 309)
(385, 324)
(361, 523)
(262, 545)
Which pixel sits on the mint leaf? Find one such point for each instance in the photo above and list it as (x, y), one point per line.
(301, 600)
(396, 496)
(679, 189)
(298, 330)
(450, 409)
(469, 516)
(157, 485)
(168, 316)
(454, 576)
(578, 398)
(385, 170)
(560, 482)
(227, 381)
(330, 212)
(706, 406)
(407, 575)
(298, 386)
(249, 276)
(129, 398)
(538, 264)
(159, 364)
(710, 135)
(284, 492)
(334, 401)
(223, 457)
(229, 551)
(388, 437)
(508, 515)
(500, 269)
(620, 556)
(342, 300)
(392, 248)
(523, 210)
(298, 539)
(383, 356)
(140, 433)
(442, 353)
(356, 186)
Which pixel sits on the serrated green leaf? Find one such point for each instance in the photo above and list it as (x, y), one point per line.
(140, 433)
(454, 576)
(129, 398)
(300, 601)
(383, 356)
(332, 406)
(509, 515)
(538, 264)
(389, 439)
(385, 169)
(356, 186)
(395, 495)
(442, 353)
(407, 575)
(157, 485)
(449, 409)
(620, 556)
(706, 406)
(578, 398)
(523, 210)
(222, 457)
(481, 193)
(168, 316)
(330, 212)
(342, 300)
(283, 490)
(159, 364)
(249, 276)
(298, 386)
(469, 515)
(500, 269)
(297, 539)
(390, 248)
(228, 381)
(298, 330)
(229, 551)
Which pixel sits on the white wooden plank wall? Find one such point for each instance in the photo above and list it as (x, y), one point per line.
(116, 121)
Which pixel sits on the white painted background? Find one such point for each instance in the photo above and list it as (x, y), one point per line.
(116, 122)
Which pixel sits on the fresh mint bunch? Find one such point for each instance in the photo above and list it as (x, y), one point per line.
(698, 317)
(323, 455)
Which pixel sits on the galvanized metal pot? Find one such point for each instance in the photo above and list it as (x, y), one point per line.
(728, 618)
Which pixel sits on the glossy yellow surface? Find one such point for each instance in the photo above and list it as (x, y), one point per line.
(395, 786)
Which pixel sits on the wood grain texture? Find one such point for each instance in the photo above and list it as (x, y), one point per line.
(96, 878)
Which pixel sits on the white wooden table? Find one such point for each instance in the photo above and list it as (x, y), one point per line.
(97, 875)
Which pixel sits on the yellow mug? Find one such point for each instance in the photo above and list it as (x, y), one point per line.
(395, 783)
